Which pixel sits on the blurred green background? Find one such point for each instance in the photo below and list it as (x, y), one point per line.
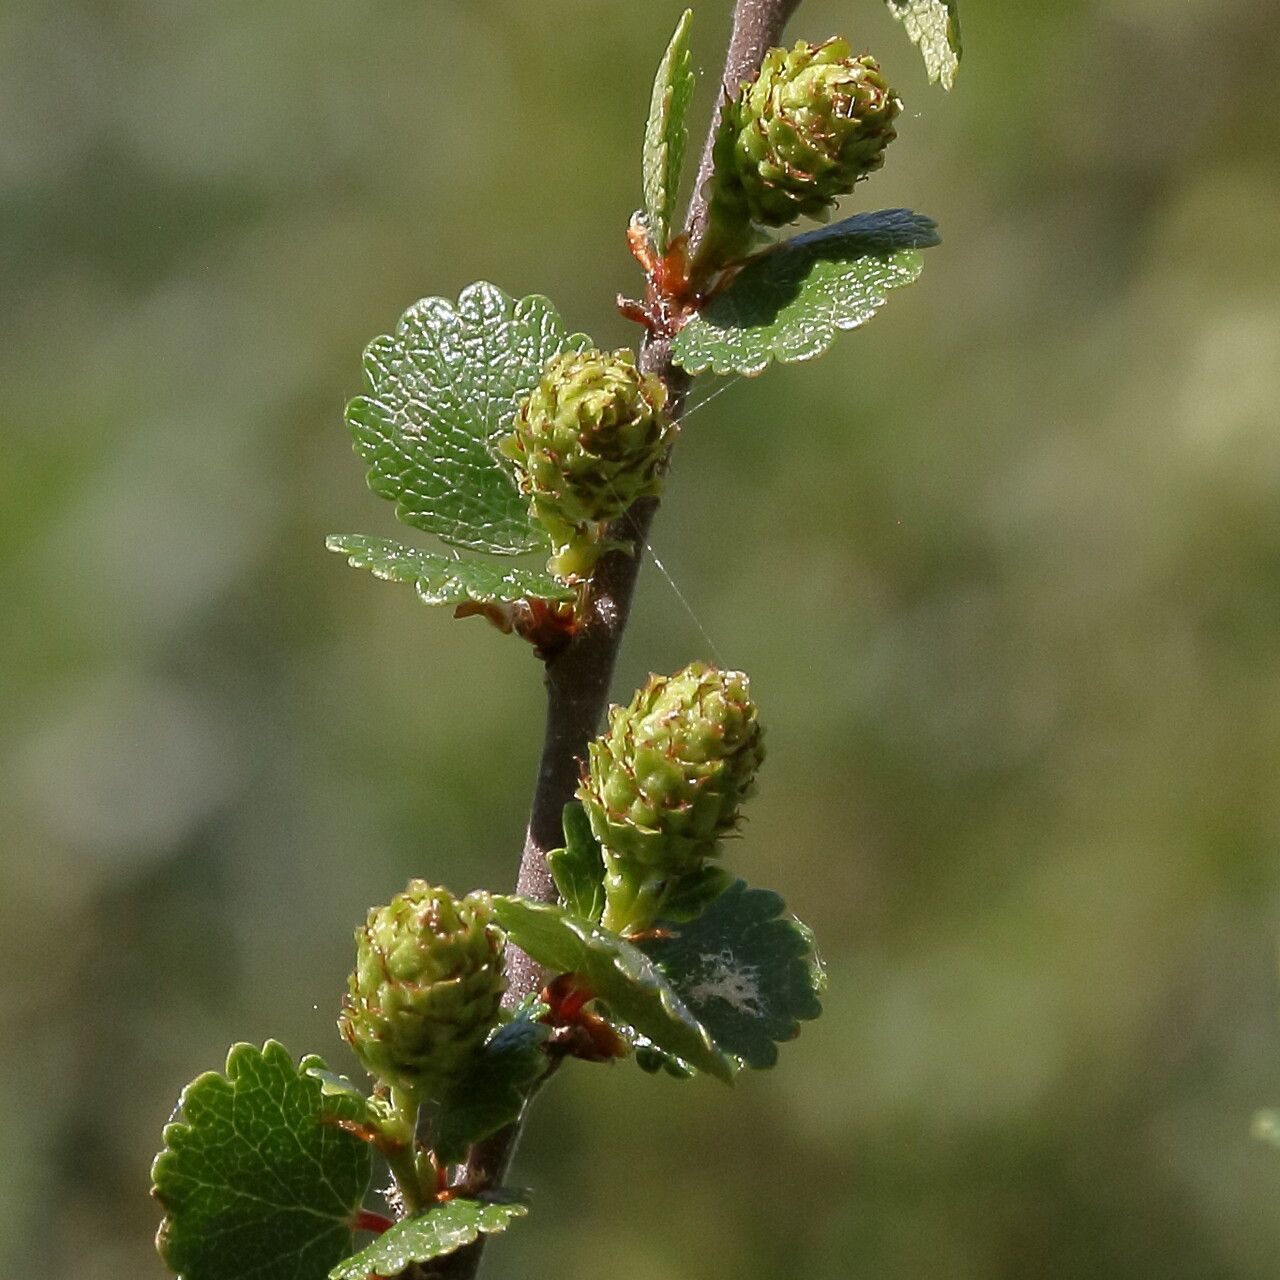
(1005, 568)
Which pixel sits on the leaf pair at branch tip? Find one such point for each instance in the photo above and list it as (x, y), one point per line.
(788, 303)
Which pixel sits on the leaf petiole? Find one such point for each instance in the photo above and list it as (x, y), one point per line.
(375, 1223)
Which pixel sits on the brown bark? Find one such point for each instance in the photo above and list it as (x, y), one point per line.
(578, 678)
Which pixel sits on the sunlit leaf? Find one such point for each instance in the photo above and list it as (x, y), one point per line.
(790, 302)
(439, 579)
(441, 390)
(444, 1228)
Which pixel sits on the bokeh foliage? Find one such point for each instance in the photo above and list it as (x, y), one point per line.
(1005, 569)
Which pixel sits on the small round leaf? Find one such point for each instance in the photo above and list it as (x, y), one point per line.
(257, 1178)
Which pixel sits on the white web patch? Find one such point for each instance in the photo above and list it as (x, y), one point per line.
(723, 979)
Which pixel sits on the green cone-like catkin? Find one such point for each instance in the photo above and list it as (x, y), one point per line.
(591, 439)
(813, 122)
(426, 987)
(663, 784)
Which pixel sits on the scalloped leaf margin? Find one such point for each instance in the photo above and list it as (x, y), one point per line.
(441, 579)
(256, 1176)
(441, 390)
(443, 1229)
(747, 969)
(789, 303)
